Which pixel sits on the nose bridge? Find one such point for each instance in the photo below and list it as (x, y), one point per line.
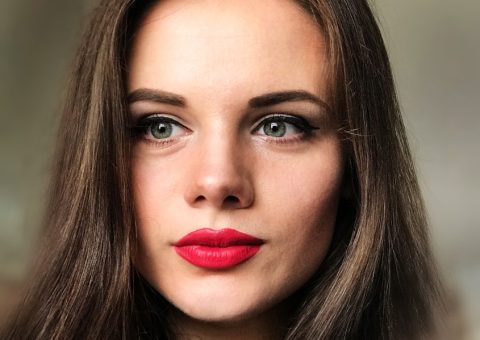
(219, 175)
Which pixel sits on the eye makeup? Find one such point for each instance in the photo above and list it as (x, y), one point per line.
(161, 130)
(158, 130)
(300, 123)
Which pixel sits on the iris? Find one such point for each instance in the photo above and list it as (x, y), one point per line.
(275, 129)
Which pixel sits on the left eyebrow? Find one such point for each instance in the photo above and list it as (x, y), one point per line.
(156, 96)
(274, 98)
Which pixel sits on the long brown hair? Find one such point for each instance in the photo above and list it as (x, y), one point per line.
(378, 280)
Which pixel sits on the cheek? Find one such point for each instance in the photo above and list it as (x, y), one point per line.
(306, 188)
(153, 190)
(302, 201)
(154, 185)
(299, 204)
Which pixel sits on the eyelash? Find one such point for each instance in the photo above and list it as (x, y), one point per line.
(144, 126)
(305, 128)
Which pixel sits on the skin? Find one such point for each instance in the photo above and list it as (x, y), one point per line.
(219, 169)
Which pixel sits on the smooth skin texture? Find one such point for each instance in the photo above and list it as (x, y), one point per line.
(219, 165)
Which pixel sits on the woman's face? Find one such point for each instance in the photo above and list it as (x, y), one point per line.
(237, 168)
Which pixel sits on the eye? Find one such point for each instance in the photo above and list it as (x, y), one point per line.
(159, 128)
(279, 126)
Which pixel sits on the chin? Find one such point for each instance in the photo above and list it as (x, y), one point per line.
(219, 303)
(217, 310)
(217, 314)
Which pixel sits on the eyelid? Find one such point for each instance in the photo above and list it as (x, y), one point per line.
(159, 116)
(298, 121)
(141, 126)
(156, 118)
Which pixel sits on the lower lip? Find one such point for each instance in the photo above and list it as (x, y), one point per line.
(217, 257)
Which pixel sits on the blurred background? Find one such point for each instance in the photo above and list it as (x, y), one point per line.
(435, 52)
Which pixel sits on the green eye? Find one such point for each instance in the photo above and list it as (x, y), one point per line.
(161, 130)
(275, 129)
(283, 126)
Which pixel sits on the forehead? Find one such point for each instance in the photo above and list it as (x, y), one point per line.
(227, 46)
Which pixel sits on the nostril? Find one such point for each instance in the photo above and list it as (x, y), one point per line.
(231, 200)
(200, 198)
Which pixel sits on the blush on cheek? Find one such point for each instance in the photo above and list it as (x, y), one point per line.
(153, 184)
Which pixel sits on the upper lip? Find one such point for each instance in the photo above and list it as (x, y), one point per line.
(217, 238)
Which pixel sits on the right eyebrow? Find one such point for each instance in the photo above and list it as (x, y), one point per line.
(270, 99)
(156, 96)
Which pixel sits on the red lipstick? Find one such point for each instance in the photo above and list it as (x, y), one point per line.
(217, 249)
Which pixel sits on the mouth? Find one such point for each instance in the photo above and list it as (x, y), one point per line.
(217, 249)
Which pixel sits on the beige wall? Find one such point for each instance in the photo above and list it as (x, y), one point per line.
(36, 41)
(435, 51)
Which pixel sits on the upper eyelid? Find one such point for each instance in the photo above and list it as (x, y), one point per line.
(176, 120)
(280, 115)
(165, 116)
(283, 115)
(154, 117)
(286, 116)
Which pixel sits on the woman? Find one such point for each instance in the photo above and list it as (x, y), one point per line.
(233, 169)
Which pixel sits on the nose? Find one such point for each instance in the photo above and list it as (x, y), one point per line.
(219, 176)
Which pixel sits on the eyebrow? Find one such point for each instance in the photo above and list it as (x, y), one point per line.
(156, 96)
(275, 98)
(265, 100)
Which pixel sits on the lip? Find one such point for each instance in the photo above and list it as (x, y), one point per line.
(217, 249)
